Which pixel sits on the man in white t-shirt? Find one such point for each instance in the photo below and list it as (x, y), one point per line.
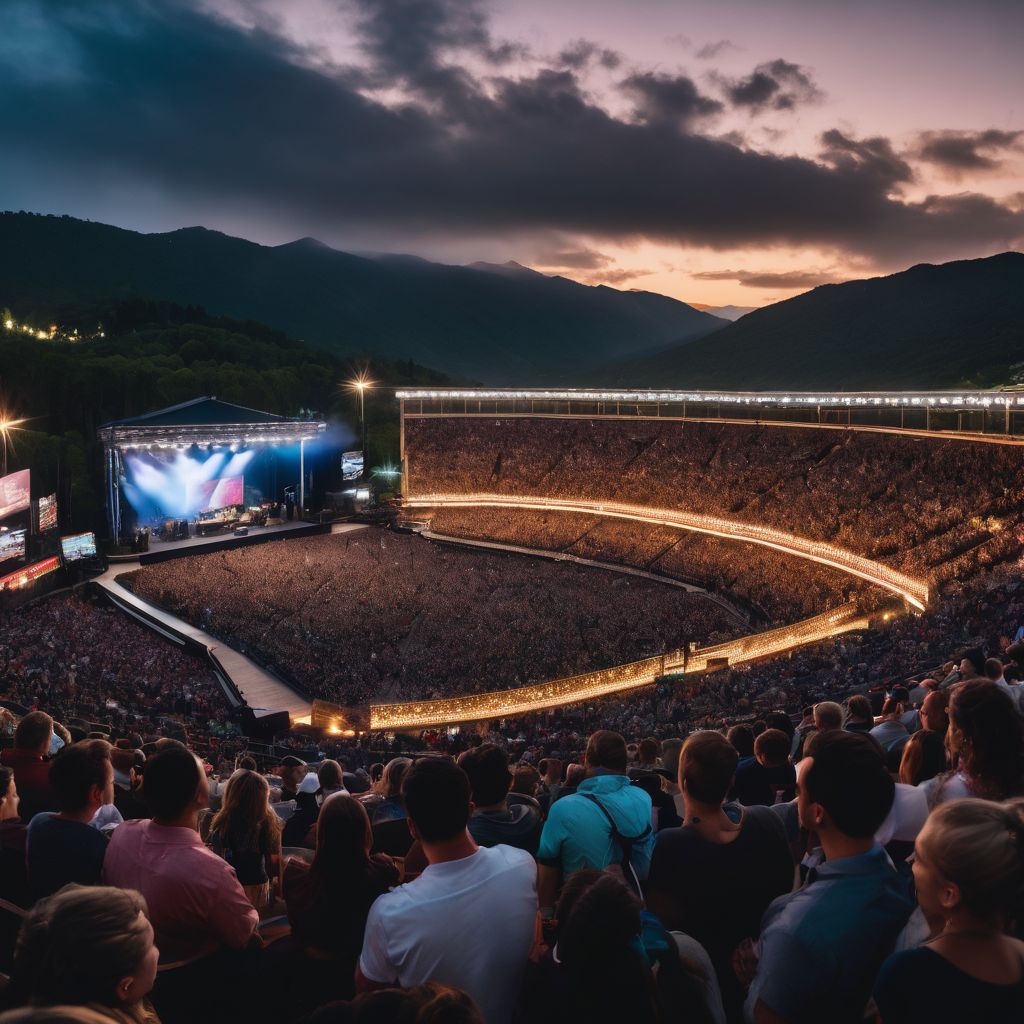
(468, 921)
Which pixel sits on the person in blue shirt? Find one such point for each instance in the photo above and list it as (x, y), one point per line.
(580, 830)
(64, 847)
(822, 946)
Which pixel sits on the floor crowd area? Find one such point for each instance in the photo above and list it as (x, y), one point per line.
(382, 616)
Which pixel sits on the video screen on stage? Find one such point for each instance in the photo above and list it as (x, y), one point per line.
(48, 513)
(24, 577)
(185, 483)
(78, 546)
(14, 493)
(214, 494)
(351, 465)
(12, 544)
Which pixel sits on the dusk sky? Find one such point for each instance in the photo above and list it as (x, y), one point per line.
(721, 151)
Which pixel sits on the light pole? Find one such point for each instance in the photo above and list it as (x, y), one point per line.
(362, 384)
(6, 426)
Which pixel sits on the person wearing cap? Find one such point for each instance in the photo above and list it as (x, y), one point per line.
(307, 810)
(291, 771)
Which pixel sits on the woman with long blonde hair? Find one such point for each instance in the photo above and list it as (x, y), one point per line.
(247, 834)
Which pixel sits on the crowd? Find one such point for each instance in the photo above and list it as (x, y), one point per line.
(773, 587)
(947, 507)
(776, 871)
(386, 616)
(83, 659)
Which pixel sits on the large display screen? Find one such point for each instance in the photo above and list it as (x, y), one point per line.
(77, 546)
(214, 494)
(24, 577)
(182, 484)
(351, 465)
(48, 513)
(12, 544)
(14, 493)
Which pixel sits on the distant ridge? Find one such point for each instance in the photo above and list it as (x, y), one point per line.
(499, 325)
(940, 325)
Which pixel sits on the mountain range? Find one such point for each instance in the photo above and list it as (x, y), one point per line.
(931, 326)
(499, 324)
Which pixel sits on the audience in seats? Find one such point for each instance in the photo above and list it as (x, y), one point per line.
(329, 899)
(713, 877)
(985, 744)
(935, 712)
(495, 821)
(28, 758)
(969, 879)
(859, 716)
(385, 802)
(90, 947)
(196, 904)
(607, 821)
(469, 919)
(246, 833)
(924, 757)
(822, 945)
(13, 873)
(64, 847)
(612, 961)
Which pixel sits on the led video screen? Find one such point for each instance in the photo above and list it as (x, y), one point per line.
(78, 546)
(48, 513)
(12, 544)
(184, 483)
(21, 578)
(351, 465)
(14, 493)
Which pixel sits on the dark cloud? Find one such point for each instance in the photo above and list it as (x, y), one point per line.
(967, 151)
(774, 85)
(583, 52)
(579, 259)
(413, 41)
(614, 278)
(672, 99)
(771, 279)
(873, 157)
(157, 98)
(709, 51)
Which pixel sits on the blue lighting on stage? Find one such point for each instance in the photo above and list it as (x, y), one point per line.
(185, 482)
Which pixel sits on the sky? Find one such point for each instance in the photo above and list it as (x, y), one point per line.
(720, 151)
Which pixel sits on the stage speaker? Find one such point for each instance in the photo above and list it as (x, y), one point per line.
(264, 725)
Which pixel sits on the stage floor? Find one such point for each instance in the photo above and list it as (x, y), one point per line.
(163, 549)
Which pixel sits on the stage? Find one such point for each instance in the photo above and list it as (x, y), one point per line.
(162, 550)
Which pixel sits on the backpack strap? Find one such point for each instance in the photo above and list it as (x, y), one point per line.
(626, 843)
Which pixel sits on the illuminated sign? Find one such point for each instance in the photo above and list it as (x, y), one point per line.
(14, 493)
(351, 465)
(48, 513)
(29, 574)
(604, 682)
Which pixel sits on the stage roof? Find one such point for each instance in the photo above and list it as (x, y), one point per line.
(207, 420)
(205, 411)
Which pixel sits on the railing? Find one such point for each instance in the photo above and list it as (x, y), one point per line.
(912, 590)
(604, 682)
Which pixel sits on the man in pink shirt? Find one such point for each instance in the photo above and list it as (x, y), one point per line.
(196, 904)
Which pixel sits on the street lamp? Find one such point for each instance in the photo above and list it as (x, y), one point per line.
(362, 384)
(6, 426)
